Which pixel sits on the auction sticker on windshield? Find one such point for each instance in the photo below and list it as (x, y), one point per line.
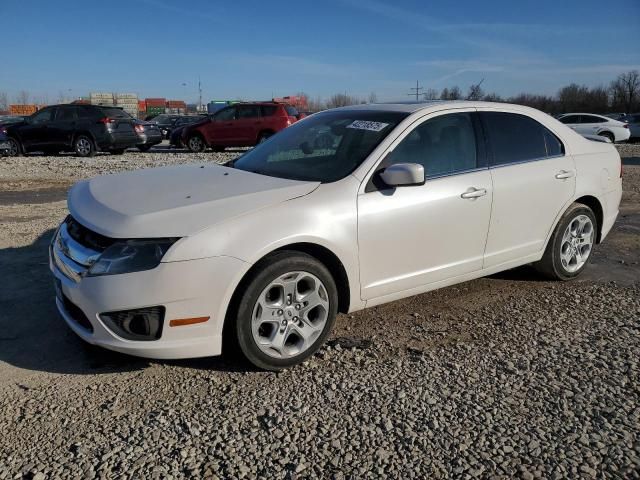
(366, 125)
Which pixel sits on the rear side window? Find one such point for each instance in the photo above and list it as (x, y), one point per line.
(592, 119)
(268, 110)
(248, 111)
(291, 111)
(66, 114)
(515, 138)
(115, 113)
(570, 119)
(88, 112)
(443, 145)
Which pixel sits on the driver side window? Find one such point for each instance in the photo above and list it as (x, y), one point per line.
(226, 114)
(43, 116)
(443, 145)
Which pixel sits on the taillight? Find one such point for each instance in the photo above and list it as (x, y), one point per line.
(3, 130)
(139, 128)
(626, 125)
(107, 120)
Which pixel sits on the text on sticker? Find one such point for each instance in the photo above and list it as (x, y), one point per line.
(365, 125)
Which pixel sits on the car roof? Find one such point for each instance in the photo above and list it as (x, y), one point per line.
(584, 113)
(412, 107)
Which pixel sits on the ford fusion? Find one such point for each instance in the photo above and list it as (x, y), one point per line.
(344, 210)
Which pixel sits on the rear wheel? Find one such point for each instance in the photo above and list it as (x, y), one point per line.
(608, 135)
(15, 149)
(286, 311)
(571, 244)
(196, 144)
(83, 146)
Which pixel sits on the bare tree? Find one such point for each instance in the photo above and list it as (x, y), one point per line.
(23, 97)
(342, 100)
(452, 93)
(493, 97)
(625, 90)
(315, 104)
(4, 101)
(475, 92)
(430, 94)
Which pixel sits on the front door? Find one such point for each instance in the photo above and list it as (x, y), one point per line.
(222, 131)
(412, 236)
(35, 134)
(248, 124)
(533, 180)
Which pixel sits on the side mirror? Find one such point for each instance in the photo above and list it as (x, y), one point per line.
(403, 174)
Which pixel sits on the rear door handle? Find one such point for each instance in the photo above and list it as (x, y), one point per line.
(473, 192)
(564, 174)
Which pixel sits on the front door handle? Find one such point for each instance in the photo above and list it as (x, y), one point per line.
(564, 174)
(473, 192)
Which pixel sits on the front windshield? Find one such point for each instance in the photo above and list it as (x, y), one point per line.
(324, 147)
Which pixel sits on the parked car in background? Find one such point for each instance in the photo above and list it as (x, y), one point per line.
(349, 208)
(616, 116)
(5, 146)
(84, 129)
(591, 124)
(239, 125)
(148, 135)
(11, 119)
(634, 126)
(175, 137)
(165, 122)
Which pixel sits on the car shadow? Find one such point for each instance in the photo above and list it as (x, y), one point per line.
(631, 161)
(34, 337)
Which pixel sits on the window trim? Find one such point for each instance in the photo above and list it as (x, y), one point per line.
(482, 152)
(490, 157)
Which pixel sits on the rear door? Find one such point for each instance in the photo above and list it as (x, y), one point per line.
(63, 126)
(248, 124)
(591, 124)
(533, 180)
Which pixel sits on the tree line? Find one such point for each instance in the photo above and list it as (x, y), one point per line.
(621, 95)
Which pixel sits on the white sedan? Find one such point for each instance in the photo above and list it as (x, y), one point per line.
(344, 210)
(590, 124)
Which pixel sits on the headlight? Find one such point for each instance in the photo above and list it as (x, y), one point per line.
(128, 256)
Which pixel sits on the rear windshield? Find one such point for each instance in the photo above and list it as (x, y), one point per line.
(115, 113)
(324, 148)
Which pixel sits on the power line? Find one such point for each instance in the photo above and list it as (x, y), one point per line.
(418, 91)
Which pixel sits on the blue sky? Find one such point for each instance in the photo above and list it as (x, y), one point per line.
(260, 49)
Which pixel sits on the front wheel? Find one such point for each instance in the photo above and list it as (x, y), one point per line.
(286, 312)
(196, 144)
(83, 146)
(570, 245)
(15, 149)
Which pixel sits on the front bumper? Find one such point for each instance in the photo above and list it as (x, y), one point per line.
(195, 288)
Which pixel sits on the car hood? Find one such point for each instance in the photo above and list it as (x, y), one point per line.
(175, 201)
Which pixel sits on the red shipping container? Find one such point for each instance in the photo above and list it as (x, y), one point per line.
(142, 105)
(155, 102)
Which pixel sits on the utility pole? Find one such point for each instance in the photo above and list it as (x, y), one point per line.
(418, 91)
(199, 95)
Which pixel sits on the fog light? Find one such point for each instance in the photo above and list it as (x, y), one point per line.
(141, 324)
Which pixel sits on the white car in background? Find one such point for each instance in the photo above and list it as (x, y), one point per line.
(591, 124)
(634, 126)
(346, 209)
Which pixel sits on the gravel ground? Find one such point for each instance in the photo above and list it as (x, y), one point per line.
(503, 377)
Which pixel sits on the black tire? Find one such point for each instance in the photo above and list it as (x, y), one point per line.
(144, 148)
(84, 146)
(117, 151)
(196, 144)
(608, 135)
(15, 149)
(267, 271)
(263, 137)
(551, 264)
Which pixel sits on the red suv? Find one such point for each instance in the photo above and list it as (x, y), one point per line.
(239, 125)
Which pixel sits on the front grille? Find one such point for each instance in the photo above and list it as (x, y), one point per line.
(85, 237)
(76, 314)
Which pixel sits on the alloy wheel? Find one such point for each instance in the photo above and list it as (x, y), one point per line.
(83, 146)
(195, 144)
(577, 243)
(290, 314)
(14, 148)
